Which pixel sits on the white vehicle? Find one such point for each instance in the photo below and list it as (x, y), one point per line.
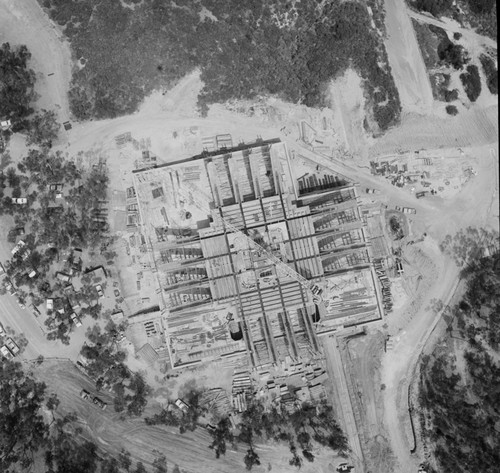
(19, 200)
(2, 270)
(50, 304)
(99, 290)
(75, 319)
(371, 191)
(409, 210)
(2, 331)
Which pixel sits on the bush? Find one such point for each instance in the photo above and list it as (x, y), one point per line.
(491, 73)
(451, 53)
(481, 6)
(471, 81)
(451, 95)
(18, 81)
(434, 7)
(451, 110)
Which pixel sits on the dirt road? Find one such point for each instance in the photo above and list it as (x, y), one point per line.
(405, 59)
(24, 22)
(190, 451)
(337, 375)
(453, 27)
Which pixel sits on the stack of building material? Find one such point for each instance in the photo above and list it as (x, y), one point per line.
(317, 391)
(239, 402)
(215, 400)
(224, 141)
(208, 143)
(386, 286)
(191, 173)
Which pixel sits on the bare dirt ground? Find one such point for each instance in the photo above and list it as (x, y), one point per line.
(362, 356)
(406, 61)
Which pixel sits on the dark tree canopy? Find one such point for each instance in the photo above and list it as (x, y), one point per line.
(243, 49)
(22, 428)
(16, 85)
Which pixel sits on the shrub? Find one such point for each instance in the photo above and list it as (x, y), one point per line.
(471, 82)
(434, 7)
(451, 95)
(451, 110)
(491, 73)
(451, 53)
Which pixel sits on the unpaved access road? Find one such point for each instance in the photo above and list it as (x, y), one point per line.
(405, 59)
(453, 28)
(190, 451)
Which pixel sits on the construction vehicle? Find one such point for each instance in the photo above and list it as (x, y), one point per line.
(280, 266)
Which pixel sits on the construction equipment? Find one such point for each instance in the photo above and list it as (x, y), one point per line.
(280, 266)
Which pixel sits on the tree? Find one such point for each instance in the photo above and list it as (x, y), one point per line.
(160, 463)
(471, 80)
(251, 459)
(22, 428)
(18, 82)
(43, 129)
(124, 459)
(140, 468)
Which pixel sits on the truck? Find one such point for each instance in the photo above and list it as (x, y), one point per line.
(409, 210)
(421, 194)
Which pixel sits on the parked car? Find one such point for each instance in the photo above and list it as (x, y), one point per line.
(409, 210)
(21, 304)
(2, 270)
(84, 394)
(371, 191)
(344, 467)
(99, 290)
(2, 331)
(398, 208)
(100, 403)
(117, 293)
(75, 319)
(5, 352)
(12, 346)
(419, 195)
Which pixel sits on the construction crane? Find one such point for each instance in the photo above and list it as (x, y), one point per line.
(282, 267)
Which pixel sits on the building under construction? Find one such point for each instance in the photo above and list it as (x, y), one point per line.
(238, 236)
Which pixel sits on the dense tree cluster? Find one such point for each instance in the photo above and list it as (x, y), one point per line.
(463, 408)
(491, 73)
(17, 82)
(434, 7)
(290, 49)
(105, 363)
(471, 80)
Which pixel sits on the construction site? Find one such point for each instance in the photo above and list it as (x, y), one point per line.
(255, 257)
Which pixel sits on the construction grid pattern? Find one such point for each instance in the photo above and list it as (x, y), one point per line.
(223, 296)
